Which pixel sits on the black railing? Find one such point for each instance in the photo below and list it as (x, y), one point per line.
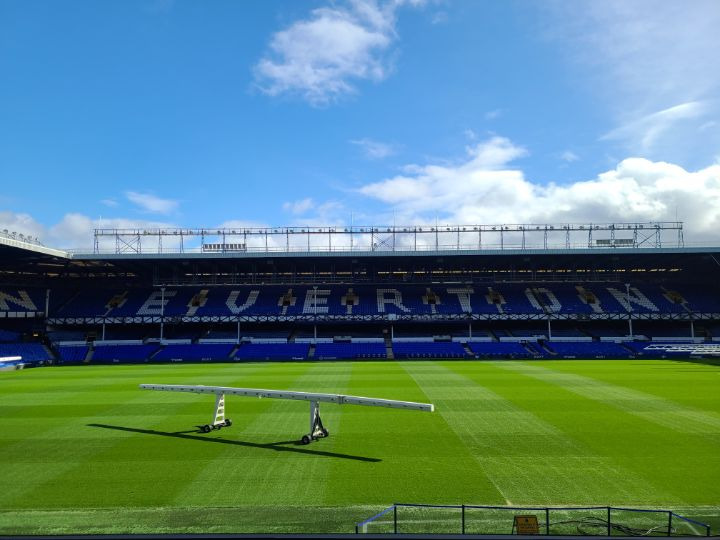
(404, 518)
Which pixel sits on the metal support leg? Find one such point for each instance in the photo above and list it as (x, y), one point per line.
(317, 430)
(219, 417)
(219, 421)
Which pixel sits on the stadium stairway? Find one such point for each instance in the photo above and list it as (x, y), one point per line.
(155, 353)
(468, 351)
(311, 351)
(388, 347)
(542, 349)
(51, 354)
(89, 355)
(68, 300)
(533, 350)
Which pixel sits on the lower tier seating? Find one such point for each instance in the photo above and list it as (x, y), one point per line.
(591, 349)
(349, 350)
(272, 351)
(30, 352)
(72, 354)
(205, 351)
(123, 353)
(502, 349)
(431, 349)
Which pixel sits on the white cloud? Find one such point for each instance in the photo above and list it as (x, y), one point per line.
(148, 202)
(651, 62)
(440, 17)
(569, 156)
(492, 115)
(21, 223)
(299, 207)
(322, 57)
(649, 51)
(484, 189)
(327, 213)
(374, 149)
(647, 130)
(73, 231)
(109, 202)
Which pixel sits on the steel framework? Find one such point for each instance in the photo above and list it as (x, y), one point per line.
(317, 430)
(385, 317)
(390, 238)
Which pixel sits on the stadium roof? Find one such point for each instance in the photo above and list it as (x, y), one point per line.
(33, 263)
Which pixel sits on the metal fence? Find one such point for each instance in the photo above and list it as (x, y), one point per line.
(402, 518)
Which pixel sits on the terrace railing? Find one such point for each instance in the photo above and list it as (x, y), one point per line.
(404, 518)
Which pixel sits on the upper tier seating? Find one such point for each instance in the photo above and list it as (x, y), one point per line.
(8, 336)
(67, 335)
(501, 298)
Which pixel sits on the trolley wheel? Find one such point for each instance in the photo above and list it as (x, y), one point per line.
(305, 439)
(325, 433)
(228, 422)
(206, 428)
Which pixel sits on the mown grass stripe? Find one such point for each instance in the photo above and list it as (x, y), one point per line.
(131, 480)
(532, 459)
(73, 446)
(666, 467)
(421, 458)
(237, 475)
(651, 408)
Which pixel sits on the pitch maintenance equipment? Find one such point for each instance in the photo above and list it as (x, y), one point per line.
(317, 430)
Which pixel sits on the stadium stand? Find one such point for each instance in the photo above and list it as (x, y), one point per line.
(503, 298)
(8, 336)
(31, 353)
(205, 351)
(430, 349)
(329, 351)
(593, 349)
(503, 349)
(123, 352)
(72, 354)
(272, 351)
(140, 307)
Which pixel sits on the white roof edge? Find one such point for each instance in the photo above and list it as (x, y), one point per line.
(11, 242)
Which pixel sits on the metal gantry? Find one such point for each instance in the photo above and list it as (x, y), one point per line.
(317, 430)
(389, 238)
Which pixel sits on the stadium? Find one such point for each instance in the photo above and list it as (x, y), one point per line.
(572, 370)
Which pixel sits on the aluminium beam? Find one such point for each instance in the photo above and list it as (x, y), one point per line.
(339, 399)
(317, 430)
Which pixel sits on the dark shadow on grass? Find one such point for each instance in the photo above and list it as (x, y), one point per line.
(277, 446)
(714, 362)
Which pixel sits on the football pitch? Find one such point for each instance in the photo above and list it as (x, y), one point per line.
(82, 449)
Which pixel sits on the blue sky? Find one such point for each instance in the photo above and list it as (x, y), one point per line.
(275, 113)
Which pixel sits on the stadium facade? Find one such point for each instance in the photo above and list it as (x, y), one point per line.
(614, 290)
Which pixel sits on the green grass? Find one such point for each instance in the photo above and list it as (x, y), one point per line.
(82, 449)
